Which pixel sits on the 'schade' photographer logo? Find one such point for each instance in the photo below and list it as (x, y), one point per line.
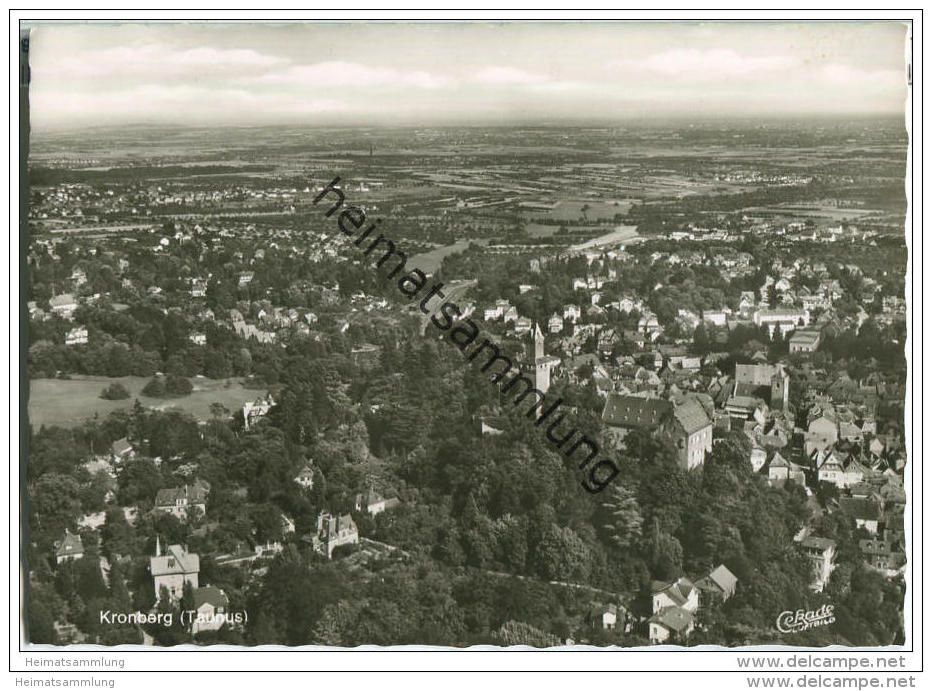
(801, 620)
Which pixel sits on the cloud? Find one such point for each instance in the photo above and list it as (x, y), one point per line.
(151, 62)
(314, 73)
(707, 65)
(337, 73)
(845, 74)
(507, 75)
(175, 104)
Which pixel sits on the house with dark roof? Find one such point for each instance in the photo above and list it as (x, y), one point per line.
(688, 425)
(769, 382)
(623, 413)
(838, 470)
(718, 585)
(671, 624)
(806, 341)
(849, 431)
(610, 616)
(866, 490)
(210, 607)
(867, 513)
(68, 548)
(892, 492)
(122, 449)
(743, 408)
(883, 556)
(179, 501)
(679, 593)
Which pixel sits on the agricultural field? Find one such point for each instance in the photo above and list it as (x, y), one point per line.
(830, 213)
(540, 230)
(589, 210)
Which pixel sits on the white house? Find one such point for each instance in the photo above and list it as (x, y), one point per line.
(374, 503)
(758, 458)
(806, 341)
(784, 319)
(679, 593)
(493, 313)
(716, 317)
(173, 569)
(77, 336)
(306, 477)
(63, 305)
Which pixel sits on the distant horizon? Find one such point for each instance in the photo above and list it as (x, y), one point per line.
(631, 123)
(191, 75)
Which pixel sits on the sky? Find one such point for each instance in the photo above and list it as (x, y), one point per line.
(201, 74)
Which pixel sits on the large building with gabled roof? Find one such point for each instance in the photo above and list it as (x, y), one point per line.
(334, 531)
(625, 413)
(688, 424)
(692, 432)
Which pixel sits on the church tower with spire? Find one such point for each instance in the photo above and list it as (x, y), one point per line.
(542, 362)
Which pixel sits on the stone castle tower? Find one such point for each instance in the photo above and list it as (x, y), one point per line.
(542, 363)
(779, 389)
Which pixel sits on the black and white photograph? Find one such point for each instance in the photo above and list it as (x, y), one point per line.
(589, 335)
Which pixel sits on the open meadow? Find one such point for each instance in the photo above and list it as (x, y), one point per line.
(68, 402)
